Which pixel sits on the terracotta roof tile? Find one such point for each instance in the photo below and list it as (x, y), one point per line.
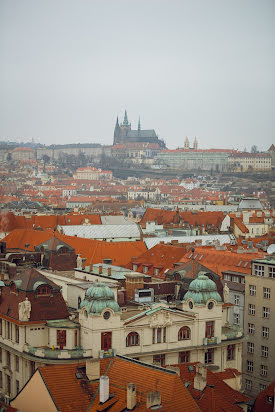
(263, 403)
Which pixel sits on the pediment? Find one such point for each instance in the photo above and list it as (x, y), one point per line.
(160, 318)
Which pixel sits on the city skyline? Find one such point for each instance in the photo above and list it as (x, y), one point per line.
(186, 68)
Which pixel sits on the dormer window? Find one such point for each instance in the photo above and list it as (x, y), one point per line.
(134, 266)
(145, 269)
(44, 290)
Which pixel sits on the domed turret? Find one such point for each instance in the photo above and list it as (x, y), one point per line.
(99, 297)
(201, 290)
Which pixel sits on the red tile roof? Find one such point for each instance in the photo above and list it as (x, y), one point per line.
(48, 307)
(93, 250)
(263, 403)
(217, 395)
(161, 256)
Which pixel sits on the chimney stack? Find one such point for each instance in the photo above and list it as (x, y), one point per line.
(109, 271)
(131, 396)
(103, 389)
(100, 269)
(200, 377)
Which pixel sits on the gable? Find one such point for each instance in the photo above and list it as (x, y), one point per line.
(34, 396)
(159, 318)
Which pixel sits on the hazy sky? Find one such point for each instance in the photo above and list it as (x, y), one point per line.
(200, 68)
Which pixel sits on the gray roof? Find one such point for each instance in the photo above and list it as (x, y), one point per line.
(101, 231)
(250, 203)
(151, 242)
(141, 133)
(116, 220)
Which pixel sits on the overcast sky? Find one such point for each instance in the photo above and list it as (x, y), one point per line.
(200, 68)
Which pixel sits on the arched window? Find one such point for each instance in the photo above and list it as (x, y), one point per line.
(78, 302)
(132, 339)
(184, 333)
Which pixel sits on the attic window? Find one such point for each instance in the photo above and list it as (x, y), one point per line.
(200, 258)
(190, 256)
(240, 262)
(145, 269)
(134, 266)
(44, 290)
(246, 263)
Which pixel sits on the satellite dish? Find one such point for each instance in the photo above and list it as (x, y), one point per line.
(271, 249)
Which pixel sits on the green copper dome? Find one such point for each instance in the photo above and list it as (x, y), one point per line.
(99, 297)
(201, 290)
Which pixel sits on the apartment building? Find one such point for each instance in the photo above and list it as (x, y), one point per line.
(259, 326)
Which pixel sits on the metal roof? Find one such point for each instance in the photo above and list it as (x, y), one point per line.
(101, 231)
(115, 220)
(151, 242)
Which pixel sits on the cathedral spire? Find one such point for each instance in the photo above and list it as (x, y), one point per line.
(139, 128)
(125, 121)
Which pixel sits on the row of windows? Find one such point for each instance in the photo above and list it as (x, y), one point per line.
(265, 311)
(262, 387)
(265, 330)
(7, 360)
(184, 356)
(9, 330)
(159, 335)
(259, 271)
(266, 292)
(250, 368)
(251, 347)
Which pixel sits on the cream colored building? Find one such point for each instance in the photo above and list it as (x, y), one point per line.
(259, 326)
(194, 331)
(92, 173)
(242, 162)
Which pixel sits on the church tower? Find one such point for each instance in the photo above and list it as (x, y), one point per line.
(186, 144)
(195, 144)
(116, 132)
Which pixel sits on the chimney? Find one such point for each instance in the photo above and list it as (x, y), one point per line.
(153, 399)
(103, 389)
(109, 271)
(93, 369)
(99, 270)
(91, 267)
(131, 396)
(200, 377)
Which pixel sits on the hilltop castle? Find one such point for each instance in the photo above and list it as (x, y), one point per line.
(124, 134)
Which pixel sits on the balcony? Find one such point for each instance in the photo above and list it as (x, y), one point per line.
(55, 353)
(231, 332)
(211, 341)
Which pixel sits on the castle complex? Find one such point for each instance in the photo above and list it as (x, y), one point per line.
(124, 134)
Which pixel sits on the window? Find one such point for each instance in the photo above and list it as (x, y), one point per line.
(1, 379)
(158, 335)
(236, 319)
(0, 354)
(265, 332)
(184, 357)
(237, 300)
(266, 312)
(263, 370)
(230, 352)
(44, 290)
(164, 335)
(250, 366)
(132, 339)
(16, 333)
(0, 327)
(271, 271)
(153, 335)
(145, 269)
(8, 381)
(156, 271)
(209, 329)
(17, 363)
(184, 333)
(251, 309)
(248, 384)
(251, 328)
(264, 351)
(259, 270)
(209, 356)
(134, 267)
(78, 302)
(17, 386)
(61, 338)
(159, 359)
(250, 347)
(252, 290)
(266, 292)
(8, 359)
(262, 387)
